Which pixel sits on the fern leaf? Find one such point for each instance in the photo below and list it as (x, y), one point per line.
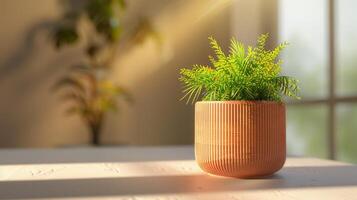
(237, 49)
(216, 48)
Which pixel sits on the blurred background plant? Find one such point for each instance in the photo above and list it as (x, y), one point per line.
(97, 26)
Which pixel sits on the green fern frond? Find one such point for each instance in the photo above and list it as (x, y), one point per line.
(288, 85)
(251, 73)
(237, 49)
(262, 41)
(216, 48)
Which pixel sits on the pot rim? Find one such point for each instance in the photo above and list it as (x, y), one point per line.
(240, 102)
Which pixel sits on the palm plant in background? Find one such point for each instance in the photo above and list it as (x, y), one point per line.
(98, 27)
(243, 74)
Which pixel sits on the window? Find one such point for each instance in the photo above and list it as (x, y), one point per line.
(323, 56)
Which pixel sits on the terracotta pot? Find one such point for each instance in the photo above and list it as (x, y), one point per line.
(240, 138)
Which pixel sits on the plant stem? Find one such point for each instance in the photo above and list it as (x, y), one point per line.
(95, 133)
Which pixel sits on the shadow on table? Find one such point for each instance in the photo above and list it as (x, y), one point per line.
(289, 177)
(95, 155)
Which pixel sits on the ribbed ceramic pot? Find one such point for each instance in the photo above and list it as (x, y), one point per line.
(240, 138)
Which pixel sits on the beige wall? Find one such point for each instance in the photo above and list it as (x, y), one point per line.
(32, 116)
(250, 18)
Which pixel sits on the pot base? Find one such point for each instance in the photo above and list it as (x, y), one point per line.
(249, 171)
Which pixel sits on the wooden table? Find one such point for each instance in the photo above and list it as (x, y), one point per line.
(160, 173)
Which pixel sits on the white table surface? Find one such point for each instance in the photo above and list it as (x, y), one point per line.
(160, 173)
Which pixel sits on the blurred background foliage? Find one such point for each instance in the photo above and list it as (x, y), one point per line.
(98, 25)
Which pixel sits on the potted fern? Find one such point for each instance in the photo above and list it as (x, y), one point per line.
(240, 122)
